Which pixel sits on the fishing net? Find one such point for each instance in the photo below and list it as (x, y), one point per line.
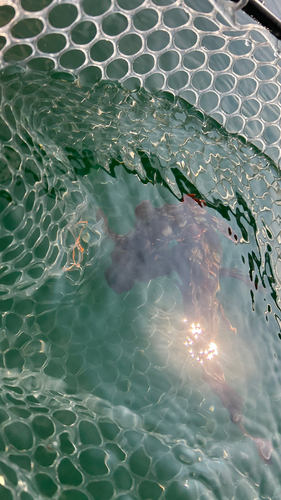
(98, 397)
(189, 48)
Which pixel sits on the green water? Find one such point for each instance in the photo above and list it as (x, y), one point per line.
(99, 396)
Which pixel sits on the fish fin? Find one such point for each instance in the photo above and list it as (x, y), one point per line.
(265, 449)
(219, 224)
(238, 274)
(264, 446)
(144, 210)
(224, 229)
(200, 202)
(100, 215)
(226, 320)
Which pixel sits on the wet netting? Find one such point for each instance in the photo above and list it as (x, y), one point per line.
(140, 252)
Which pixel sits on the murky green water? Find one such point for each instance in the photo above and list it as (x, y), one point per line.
(99, 395)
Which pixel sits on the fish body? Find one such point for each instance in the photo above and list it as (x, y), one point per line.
(183, 238)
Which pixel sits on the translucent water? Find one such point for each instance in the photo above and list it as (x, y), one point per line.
(100, 397)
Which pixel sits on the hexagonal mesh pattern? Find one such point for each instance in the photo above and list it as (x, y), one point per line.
(185, 47)
(99, 398)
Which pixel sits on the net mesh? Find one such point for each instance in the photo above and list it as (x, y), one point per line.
(187, 47)
(98, 400)
(96, 390)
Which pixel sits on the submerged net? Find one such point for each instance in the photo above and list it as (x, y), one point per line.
(98, 398)
(191, 48)
(96, 388)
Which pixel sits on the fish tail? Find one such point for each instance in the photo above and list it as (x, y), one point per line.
(264, 446)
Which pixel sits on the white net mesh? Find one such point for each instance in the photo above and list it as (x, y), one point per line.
(185, 47)
(98, 398)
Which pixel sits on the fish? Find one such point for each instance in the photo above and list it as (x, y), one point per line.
(183, 238)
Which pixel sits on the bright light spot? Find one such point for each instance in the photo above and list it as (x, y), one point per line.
(211, 351)
(196, 329)
(2, 481)
(198, 351)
